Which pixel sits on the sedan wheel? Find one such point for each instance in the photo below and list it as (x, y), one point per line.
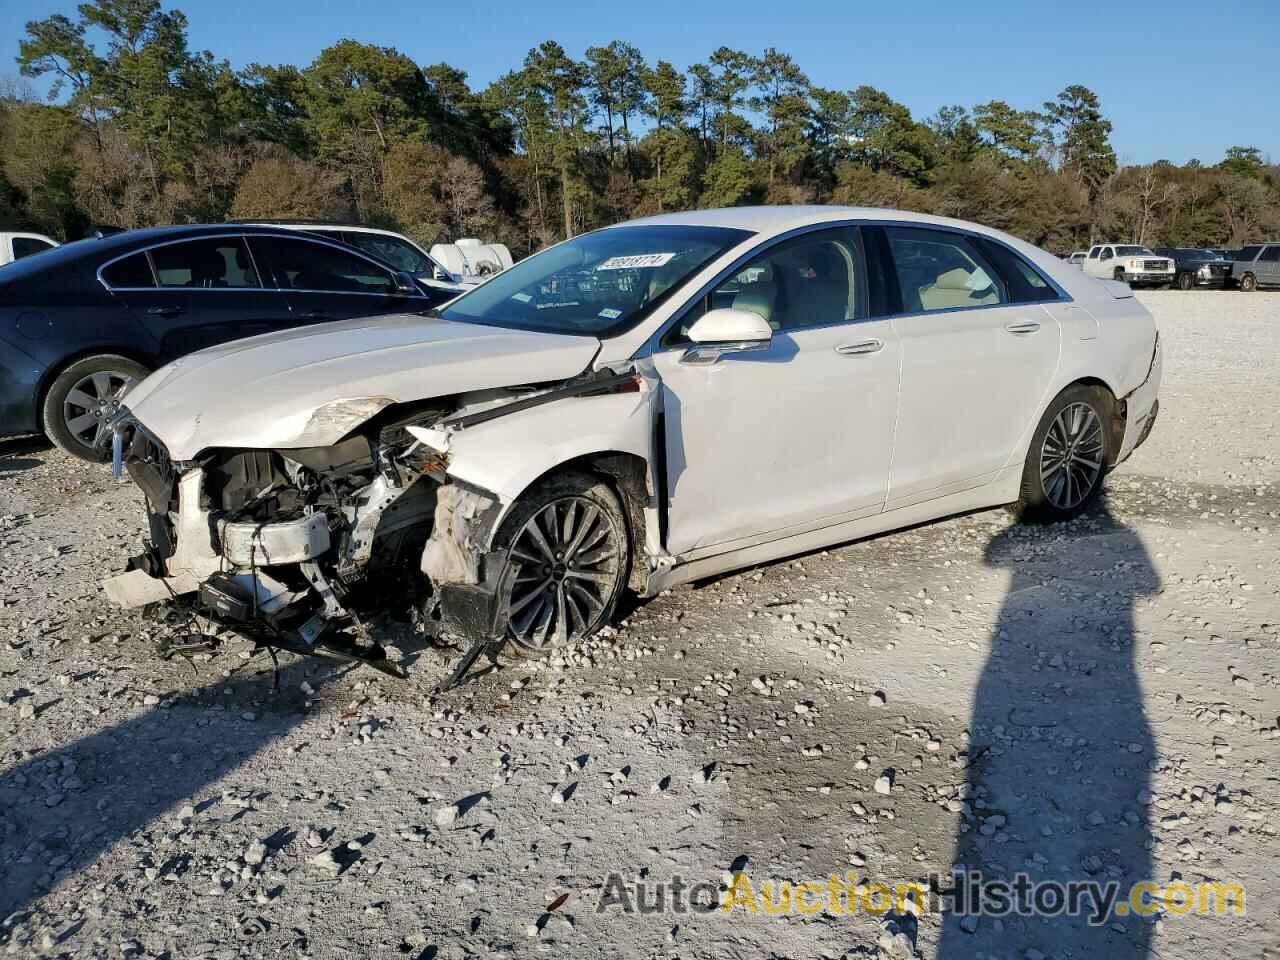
(1068, 457)
(82, 398)
(1071, 456)
(571, 553)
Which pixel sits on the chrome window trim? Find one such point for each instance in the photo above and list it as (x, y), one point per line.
(654, 343)
(263, 288)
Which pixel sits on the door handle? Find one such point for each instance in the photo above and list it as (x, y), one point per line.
(860, 348)
(167, 310)
(1022, 326)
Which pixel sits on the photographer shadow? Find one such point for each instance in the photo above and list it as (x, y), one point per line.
(1060, 750)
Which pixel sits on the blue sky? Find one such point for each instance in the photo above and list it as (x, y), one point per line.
(1178, 79)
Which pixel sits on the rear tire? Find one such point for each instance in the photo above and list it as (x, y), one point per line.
(1068, 457)
(1248, 283)
(79, 399)
(568, 535)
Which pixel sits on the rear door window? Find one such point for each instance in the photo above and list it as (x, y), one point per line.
(1025, 283)
(1271, 255)
(215, 263)
(939, 270)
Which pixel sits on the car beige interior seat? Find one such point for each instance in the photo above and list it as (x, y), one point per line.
(954, 289)
(759, 298)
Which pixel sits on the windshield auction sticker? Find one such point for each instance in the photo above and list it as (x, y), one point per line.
(639, 261)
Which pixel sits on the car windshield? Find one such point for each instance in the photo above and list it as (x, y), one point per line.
(1133, 252)
(601, 283)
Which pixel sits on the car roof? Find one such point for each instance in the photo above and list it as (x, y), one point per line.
(97, 249)
(779, 219)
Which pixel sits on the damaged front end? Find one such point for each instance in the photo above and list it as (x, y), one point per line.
(312, 549)
(302, 549)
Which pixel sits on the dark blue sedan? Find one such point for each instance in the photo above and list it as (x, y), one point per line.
(80, 322)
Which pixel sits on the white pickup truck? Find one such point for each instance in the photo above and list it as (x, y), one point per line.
(15, 246)
(1129, 262)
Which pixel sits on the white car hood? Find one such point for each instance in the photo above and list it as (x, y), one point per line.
(310, 386)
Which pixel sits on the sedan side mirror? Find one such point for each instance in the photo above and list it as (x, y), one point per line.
(406, 284)
(726, 330)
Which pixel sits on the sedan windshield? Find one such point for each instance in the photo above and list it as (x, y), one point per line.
(600, 284)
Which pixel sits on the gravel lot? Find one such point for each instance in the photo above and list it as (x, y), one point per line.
(1094, 701)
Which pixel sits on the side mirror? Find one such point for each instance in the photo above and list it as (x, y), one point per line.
(718, 332)
(406, 284)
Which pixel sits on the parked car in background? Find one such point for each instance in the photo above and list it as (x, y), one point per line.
(1077, 258)
(446, 267)
(1226, 253)
(644, 405)
(1197, 267)
(16, 246)
(1257, 265)
(83, 320)
(1130, 264)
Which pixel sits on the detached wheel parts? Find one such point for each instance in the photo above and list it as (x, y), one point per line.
(80, 399)
(1068, 457)
(1248, 283)
(1186, 281)
(568, 538)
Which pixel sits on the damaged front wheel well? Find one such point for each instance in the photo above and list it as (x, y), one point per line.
(628, 475)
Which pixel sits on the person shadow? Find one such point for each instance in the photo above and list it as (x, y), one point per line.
(1060, 751)
(62, 808)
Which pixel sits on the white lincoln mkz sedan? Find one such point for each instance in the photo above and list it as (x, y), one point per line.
(647, 404)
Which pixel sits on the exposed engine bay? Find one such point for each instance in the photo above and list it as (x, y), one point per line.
(301, 549)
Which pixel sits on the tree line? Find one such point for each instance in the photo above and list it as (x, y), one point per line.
(139, 130)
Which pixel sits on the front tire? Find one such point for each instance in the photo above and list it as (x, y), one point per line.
(1248, 283)
(1118, 274)
(568, 537)
(1185, 281)
(1068, 456)
(79, 400)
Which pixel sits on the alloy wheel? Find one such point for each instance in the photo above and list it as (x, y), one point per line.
(1072, 455)
(570, 561)
(90, 403)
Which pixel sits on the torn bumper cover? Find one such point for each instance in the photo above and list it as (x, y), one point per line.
(473, 586)
(1142, 406)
